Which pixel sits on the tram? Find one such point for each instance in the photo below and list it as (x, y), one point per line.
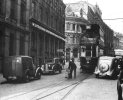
(90, 48)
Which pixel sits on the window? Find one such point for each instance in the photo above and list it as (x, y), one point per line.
(34, 9)
(51, 21)
(56, 21)
(78, 28)
(74, 38)
(67, 26)
(33, 38)
(41, 14)
(73, 27)
(13, 9)
(22, 44)
(11, 44)
(47, 18)
(23, 12)
(1, 42)
(1, 7)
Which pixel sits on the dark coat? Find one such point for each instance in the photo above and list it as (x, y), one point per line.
(72, 65)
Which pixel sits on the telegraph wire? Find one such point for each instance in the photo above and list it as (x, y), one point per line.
(114, 19)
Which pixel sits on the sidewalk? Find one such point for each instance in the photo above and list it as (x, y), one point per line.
(1, 78)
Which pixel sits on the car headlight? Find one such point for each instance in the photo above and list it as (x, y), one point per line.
(104, 67)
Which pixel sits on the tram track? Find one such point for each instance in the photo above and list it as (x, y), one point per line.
(49, 88)
(73, 85)
(27, 92)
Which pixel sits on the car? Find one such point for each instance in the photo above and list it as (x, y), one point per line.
(107, 66)
(52, 66)
(20, 68)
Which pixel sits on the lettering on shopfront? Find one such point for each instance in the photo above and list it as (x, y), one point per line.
(43, 29)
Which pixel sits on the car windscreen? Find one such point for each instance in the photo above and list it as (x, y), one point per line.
(107, 61)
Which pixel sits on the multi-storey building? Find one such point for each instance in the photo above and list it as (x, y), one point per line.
(47, 22)
(14, 28)
(98, 40)
(32, 27)
(85, 13)
(74, 23)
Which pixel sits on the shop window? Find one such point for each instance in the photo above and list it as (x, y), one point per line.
(33, 42)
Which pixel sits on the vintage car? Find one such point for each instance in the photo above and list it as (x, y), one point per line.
(52, 66)
(107, 66)
(20, 67)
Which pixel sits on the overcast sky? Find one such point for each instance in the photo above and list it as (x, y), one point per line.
(111, 9)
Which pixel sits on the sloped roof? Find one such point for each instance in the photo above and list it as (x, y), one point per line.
(75, 7)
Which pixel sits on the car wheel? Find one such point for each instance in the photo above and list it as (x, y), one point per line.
(38, 75)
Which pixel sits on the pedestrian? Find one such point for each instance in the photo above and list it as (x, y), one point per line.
(120, 81)
(72, 67)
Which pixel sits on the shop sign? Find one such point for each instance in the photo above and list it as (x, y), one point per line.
(43, 29)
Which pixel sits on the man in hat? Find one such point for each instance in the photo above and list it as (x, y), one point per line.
(72, 67)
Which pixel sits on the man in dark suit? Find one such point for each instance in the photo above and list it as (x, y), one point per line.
(72, 67)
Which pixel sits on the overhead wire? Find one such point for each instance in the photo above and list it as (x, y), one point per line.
(114, 19)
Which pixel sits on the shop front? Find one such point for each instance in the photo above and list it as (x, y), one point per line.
(45, 43)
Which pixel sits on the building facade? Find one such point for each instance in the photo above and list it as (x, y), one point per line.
(86, 13)
(96, 41)
(32, 27)
(47, 24)
(74, 23)
(14, 28)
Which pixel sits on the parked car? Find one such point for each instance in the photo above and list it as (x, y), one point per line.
(52, 66)
(20, 67)
(107, 66)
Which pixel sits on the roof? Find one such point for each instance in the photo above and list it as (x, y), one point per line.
(106, 57)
